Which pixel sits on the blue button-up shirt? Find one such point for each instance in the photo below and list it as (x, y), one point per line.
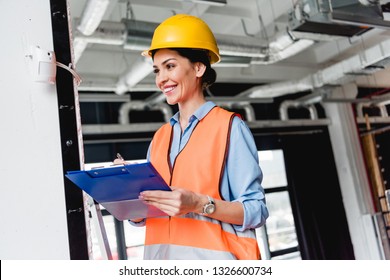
(242, 176)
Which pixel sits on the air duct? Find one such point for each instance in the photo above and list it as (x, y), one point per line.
(336, 74)
(341, 18)
(289, 47)
(358, 13)
(140, 33)
(108, 33)
(136, 35)
(141, 68)
(92, 16)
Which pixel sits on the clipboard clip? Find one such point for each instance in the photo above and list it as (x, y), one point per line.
(111, 171)
(119, 160)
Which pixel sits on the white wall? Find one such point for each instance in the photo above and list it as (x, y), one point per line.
(32, 201)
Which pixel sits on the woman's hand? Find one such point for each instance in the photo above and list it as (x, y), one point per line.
(177, 202)
(181, 201)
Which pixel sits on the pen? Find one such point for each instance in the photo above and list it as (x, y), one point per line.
(118, 155)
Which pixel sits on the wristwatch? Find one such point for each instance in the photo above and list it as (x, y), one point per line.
(209, 207)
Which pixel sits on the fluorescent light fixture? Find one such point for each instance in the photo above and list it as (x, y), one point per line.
(92, 16)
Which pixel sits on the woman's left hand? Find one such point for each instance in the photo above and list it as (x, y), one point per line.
(173, 203)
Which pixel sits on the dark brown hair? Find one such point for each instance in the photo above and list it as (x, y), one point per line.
(197, 55)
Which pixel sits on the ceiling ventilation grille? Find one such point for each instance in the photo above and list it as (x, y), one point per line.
(339, 18)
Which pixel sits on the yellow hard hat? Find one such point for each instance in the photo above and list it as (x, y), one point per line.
(184, 31)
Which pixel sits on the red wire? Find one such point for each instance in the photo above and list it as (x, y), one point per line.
(379, 92)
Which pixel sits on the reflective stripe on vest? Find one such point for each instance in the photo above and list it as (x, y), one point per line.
(198, 167)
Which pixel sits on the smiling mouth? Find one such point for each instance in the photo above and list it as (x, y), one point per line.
(169, 89)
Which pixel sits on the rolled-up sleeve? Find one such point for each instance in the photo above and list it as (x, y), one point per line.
(243, 177)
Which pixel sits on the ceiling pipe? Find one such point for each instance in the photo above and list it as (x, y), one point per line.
(156, 98)
(165, 109)
(248, 109)
(285, 105)
(336, 74)
(124, 110)
(375, 101)
(382, 109)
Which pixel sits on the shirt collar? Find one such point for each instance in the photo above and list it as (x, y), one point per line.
(199, 114)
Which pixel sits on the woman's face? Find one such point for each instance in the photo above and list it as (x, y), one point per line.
(176, 76)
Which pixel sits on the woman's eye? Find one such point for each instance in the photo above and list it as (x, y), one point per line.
(155, 71)
(170, 66)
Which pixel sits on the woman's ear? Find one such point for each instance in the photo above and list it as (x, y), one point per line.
(200, 68)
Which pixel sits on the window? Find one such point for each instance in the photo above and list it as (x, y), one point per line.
(277, 239)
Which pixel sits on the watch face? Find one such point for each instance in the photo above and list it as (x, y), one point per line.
(209, 209)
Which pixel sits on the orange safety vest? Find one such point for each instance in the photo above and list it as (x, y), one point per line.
(199, 168)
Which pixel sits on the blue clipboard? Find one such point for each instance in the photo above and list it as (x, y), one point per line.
(117, 188)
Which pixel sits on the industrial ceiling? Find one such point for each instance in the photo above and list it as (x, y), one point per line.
(279, 46)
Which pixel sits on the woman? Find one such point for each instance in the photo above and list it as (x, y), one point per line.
(205, 153)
